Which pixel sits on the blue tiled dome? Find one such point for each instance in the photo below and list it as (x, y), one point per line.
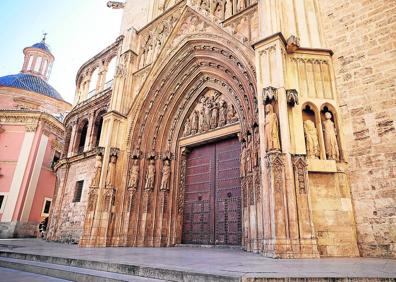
(41, 46)
(31, 83)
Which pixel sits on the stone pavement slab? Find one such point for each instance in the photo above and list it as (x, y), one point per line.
(230, 262)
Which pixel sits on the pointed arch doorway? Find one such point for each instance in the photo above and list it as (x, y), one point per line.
(213, 208)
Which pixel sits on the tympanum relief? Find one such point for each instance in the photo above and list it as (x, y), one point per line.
(211, 112)
(221, 9)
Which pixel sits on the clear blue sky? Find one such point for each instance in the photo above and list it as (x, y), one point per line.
(77, 30)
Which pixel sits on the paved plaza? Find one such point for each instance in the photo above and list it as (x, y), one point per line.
(215, 261)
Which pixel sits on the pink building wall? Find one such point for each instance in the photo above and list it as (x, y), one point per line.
(45, 185)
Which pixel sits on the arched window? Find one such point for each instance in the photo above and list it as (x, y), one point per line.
(93, 83)
(110, 72)
(67, 141)
(29, 67)
(38, 64)
(98, 127)
(82, 136)
(44, 66)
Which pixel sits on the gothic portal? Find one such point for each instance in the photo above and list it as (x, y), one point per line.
(222, 126)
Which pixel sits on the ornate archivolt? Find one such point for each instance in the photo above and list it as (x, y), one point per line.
(201, 77)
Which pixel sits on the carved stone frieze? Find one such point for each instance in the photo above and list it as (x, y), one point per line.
(182, 181)
(300, 173)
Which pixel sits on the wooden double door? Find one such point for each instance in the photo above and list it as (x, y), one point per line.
(212, 201)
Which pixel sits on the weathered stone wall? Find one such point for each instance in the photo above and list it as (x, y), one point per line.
(362, 36)
(69, 219)
(332, 215)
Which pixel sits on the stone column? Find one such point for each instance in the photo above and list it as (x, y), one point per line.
(70, 151)
(90, 132)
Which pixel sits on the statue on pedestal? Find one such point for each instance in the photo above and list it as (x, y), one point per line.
(166, 172)
(311, 140)
(271, 128)
(330, 138)
(150, 178)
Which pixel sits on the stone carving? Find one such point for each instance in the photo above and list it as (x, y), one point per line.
(211, 112)
(256, 152)
(115, 5)
(271, 128)
(92, 198)
(292, 97)
(182, 181)
(222, 114)
(241, 5)
(330, 138)
(154, 40)
(133, 175)
(243, 159)
(187, 128)
(194, 122)
(166, 172)
(311, 140)
(98, 169)
(232, 115)
(133, 182)
(300, 172)
(292, 44)
(228, 9)
(150, 178)
(270, 94)
(110, 178)
(249, 152)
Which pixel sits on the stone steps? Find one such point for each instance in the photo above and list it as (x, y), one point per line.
(69, 273)
(87, 270)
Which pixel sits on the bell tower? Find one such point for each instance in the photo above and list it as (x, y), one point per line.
(38, 60)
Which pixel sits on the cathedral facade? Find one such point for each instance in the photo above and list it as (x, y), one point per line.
(225, 124)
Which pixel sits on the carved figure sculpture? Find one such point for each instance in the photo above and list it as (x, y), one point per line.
(110, 178)
(311, 139)
(231, 114)
(98, 170)
(166, 172)
(201, 121)
(134, 175)
(207, 113)
(256, 153)
(271, 128)
(222, 113)
(150, 178)
(187, 128)
(228, 9)
(219, 9)
(214, 118)
(249, 154)
(243, 160)
(330, 138)
(241, 5)
(194, 122)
